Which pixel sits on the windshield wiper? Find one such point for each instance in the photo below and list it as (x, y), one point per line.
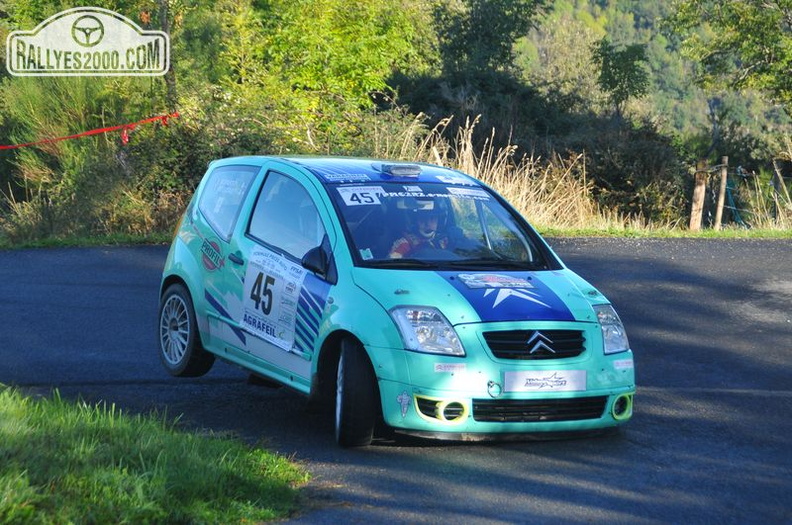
(494, 264)
(401, 263)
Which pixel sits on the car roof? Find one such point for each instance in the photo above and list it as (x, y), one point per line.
(341, 170)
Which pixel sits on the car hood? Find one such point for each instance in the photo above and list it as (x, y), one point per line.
(485, 296)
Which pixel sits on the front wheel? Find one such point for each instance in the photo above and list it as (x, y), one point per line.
(180, 345)
(357, 397)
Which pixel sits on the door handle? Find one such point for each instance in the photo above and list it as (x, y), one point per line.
(236, 259)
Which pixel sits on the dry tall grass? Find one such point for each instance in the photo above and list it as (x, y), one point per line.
(554, 194)
(769, 209)
(551, 194)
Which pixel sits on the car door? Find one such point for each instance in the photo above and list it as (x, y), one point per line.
(280, 303)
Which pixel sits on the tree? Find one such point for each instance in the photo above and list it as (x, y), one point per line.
(622, 73)
(739, 44)
(562, 69)
(478, 35)
(338, 48)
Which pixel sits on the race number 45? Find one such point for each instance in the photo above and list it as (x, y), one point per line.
(360, 195)
(261, 292)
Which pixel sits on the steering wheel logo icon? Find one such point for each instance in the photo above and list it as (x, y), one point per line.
(87, 31)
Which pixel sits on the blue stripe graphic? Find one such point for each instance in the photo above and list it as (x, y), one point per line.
(222, 311)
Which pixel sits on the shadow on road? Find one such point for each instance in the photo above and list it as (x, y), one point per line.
(709, 321)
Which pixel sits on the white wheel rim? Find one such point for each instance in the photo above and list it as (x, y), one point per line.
(174, 330)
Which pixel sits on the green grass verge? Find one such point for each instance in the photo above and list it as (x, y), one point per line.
(102, 240)
(63, 462)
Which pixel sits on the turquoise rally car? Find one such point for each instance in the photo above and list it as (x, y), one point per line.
(401, 294)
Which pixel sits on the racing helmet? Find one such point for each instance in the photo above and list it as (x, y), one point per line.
(419, 212)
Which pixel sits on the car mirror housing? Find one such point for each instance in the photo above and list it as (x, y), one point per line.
(319, 260)
(315, 260)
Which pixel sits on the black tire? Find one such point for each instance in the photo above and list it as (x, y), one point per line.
(180, 345)
(357, 397)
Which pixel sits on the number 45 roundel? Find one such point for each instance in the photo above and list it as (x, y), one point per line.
(270, 297)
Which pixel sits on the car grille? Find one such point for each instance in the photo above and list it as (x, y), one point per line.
(538, 410)
(535, 344)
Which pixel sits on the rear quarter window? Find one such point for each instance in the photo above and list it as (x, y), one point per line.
(224, 192)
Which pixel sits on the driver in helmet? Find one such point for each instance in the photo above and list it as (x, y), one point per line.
(424, 219)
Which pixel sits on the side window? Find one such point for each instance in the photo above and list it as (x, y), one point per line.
(285, 217)
(223, 195)
(505, 235)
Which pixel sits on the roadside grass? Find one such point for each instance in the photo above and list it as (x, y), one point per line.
(83, 241)
(66, 462)
(728, 232)
(556, 196)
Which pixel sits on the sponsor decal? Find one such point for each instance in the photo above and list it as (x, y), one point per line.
(545, 380)
(271, 297)
(260, 326)
(345, 177)
(493, 280)
(509, 297)
(440, 368)
(404, 402)
(623, 364)
(470, 193)
(451, 179)
(361, 195)
(211, 256)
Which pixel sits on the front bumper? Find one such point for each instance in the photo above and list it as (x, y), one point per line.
(482, 395)
(421, 410)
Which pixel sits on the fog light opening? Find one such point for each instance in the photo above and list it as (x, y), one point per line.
(452, 411)
(440, 410)
(622, 407)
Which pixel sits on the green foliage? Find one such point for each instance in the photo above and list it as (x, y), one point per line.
(350, 49)
(650, 184)
(478, 35)
(561, 67)
(739, 43)
(368, 77)
(621, 72)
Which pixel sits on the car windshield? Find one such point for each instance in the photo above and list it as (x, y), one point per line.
(431, 225)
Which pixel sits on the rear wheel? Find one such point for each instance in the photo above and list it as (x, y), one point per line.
(357, 397)
(180, 345)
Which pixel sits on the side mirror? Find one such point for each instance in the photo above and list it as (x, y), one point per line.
(320, 261)
(315, 260)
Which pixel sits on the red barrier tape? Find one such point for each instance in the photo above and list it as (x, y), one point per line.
(125, 129)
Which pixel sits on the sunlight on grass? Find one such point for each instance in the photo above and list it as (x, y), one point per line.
(63, 462)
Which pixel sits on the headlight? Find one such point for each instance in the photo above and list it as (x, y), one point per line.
(613, 334)
(425, 329)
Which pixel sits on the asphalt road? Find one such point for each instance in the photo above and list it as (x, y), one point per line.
(711, 440)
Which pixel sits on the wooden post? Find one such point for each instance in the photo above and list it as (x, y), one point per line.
(722, 192)
(699, 192)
